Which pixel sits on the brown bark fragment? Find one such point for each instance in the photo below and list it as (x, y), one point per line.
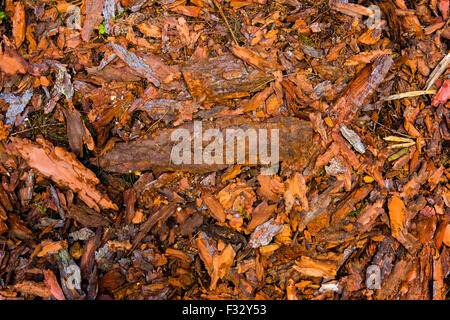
(365, 83)
(315, 268)
(295, 138)
(93, 17)
(63, 168)
(221, 78)
(214, 207)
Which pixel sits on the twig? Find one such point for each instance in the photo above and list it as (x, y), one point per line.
(229, 28)
(148, 130)
(408, 95)
(226, 21)
(38, 127)
(441, 67)
(319, 15)
(262, 84)
(395, 131)
(392, 130)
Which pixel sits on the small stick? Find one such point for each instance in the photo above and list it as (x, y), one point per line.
(226, 21)
(392, 130)
(38, 127)
(148, 130)
(229, 28)
(438, 71)
(409, 94)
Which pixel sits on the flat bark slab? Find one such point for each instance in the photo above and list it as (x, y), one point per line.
(63, 168)
(222, 78)
(361, 87)
(295, 143)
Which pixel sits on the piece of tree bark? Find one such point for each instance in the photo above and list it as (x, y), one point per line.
(77, 133)
(295, 143)
(63, 168)
(93, 17)
(221, 78)
(162, 214)
(365, 83)
(88, 218)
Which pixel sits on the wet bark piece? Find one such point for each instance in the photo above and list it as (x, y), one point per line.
(223, 233)
(365, 83)
(261, 214)
(33, 288)
(264, 233)
(214, 207)
(86, 217)
(136, 63)
(295, 143)
(191, 224)
(395, 26)
(77, 132)
(169, 110)
(162, 214)
(398, 217)
(63, 168)
(316, 268)
(390, 287)
(11, 62)
(18, 21)
(221, 78)
(93, 17)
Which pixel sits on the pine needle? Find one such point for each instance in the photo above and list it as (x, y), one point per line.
(59, 14)
(226, 21)
(229, 28)
(408, 94)
(401, 145)
(440, 69)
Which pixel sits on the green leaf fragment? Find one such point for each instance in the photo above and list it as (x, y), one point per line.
(101, 28)
(398, 154)
(242, 212)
